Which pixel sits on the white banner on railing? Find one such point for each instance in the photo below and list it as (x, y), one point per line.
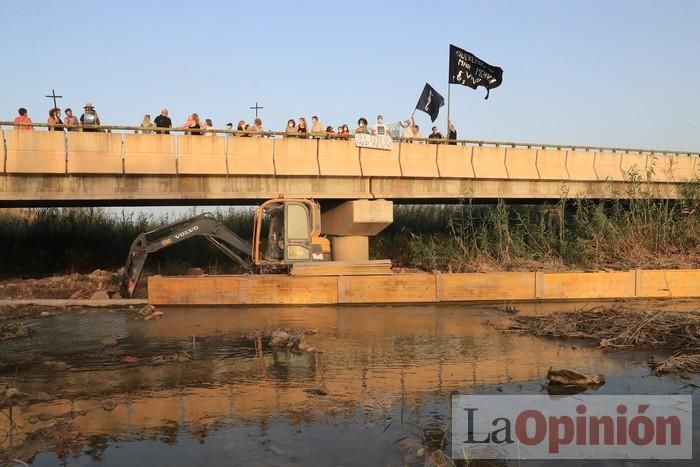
(363, 140)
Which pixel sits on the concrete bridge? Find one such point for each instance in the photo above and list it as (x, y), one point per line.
(116, 167)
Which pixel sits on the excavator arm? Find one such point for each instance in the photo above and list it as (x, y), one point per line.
(204, 225)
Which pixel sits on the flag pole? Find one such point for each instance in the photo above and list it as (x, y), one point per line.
(448, 106)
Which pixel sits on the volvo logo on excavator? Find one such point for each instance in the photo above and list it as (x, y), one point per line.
(184, 233)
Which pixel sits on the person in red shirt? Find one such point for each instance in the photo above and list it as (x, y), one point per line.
(22, 122)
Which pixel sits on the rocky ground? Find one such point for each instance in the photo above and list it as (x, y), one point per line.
(98, 285)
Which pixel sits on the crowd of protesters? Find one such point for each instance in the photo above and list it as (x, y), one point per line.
(194, 125)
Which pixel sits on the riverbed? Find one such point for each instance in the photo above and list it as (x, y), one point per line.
(197, 387)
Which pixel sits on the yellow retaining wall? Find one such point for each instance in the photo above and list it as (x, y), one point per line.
(486, 286)
(149, 154)
(339, 158)
(94, 153)
(204, 155)
(633, 163)
(422, 288)
(552, 164)
(35, 152)
(607, 166)
(380, 163)
(576, 285)
(489, 162)
(296, 156)
(669, 283)
(521, 164)
(399, 288)
(250, 156)
(454, 161)
(580, 165)
(418, 160)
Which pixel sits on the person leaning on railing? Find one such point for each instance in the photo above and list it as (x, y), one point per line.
(291, 131)
(163, 121)
(55, 119)
(22, 121)
(71, 122)
(89, 118)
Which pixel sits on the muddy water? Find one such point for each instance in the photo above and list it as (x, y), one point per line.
(196, 389)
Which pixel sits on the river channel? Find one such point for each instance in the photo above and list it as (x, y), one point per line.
(196, 387)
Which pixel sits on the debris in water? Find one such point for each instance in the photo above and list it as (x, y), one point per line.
(621, 327)
(679, 363)
(316, 391)
(109, 341)
(108, 406)
(566, 381)
(154, 315)
(146, 310)
(128, 360)
(13, 331)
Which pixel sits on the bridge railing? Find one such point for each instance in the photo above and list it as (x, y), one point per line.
(120, 150)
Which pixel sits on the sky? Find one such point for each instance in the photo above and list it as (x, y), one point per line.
(610, 73)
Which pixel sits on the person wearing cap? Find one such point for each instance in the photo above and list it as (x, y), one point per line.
(89, 118)
(163, 121)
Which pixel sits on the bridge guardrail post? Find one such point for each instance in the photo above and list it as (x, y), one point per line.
(4, 150)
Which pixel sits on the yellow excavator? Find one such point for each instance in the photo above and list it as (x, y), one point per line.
(293, 236)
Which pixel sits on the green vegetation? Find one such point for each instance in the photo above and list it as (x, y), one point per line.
(568, 234)
(39, 242)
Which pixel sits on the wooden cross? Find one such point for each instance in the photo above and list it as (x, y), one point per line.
(54, 96)
(256, 109)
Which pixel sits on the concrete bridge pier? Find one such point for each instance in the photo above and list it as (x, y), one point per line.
(350, 224)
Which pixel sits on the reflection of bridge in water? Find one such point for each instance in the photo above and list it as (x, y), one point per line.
(75, 168)
(372, 358)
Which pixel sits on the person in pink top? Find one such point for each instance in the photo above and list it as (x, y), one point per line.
(22, 122)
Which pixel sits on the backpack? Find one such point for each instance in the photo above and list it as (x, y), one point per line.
(90, 118)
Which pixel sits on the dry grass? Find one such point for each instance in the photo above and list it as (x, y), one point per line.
(622, 328)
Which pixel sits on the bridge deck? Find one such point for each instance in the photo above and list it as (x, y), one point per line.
(55, 168)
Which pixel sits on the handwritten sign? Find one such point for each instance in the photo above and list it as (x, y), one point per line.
(374, 141)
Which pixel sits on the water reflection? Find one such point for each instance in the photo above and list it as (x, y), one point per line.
(381, 372)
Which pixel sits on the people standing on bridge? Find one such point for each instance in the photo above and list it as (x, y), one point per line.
(408, 128)
(163, 121)
(451, 132)
(379, 128)
(316, 126)
(330, 132)
(209, 124)
(258, 126)
(192, 125)
(362, 127)
(71, 121)
(291, 131)
(241, 126)
(302, 129)
(417, 135)
(146, 123)
(435, 135)
(55, 119)
(229, 126)
(89, 118)
(344, 132)
(22, 121)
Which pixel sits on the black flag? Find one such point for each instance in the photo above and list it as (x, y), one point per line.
(430, 102)
(466, 69)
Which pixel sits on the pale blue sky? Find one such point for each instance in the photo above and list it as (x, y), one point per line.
(601, 73)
